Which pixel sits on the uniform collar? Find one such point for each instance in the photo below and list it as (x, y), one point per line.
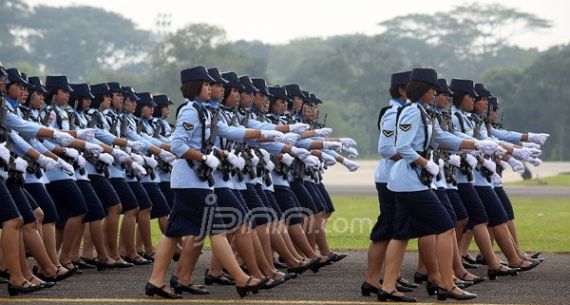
(13, 103)
(397, 101)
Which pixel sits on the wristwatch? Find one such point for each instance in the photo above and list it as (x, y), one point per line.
(204, 157)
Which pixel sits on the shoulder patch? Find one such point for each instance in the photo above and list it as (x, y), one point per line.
(188, 126)
(388, 133)
(405, 127)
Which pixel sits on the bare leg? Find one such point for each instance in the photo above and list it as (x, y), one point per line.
(428, 252)
(111, 227)
(72, 226)
(11, 232)
(127, 239)
(48, 237)
(144, 230)
(376, 256)
(393, 263)
(188, 258)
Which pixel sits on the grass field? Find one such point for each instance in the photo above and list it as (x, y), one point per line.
(542, 224)
(558, 180)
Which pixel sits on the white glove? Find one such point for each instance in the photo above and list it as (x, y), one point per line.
(300, 153)
(350, 165)
(20, 165)
(271, 134)
(4, 153)
(254, 158)
(490, 165)
(86, 134)
(487, 146)
(106, 158)
(432, 168)
(138, 170)
(503, 164)
(538, 138)
(516, 165)
(324, 132)
(93, 148)
(212, 161)
(534, 152)
(137, 158)
(530, 145)
(328, 159)
(64, 138)
(233, 160)
(66, 167)
(120, 155)
(47, 163)
(166, 156)
(332, 145)
(288, 138)
(71, 152)
(266, 155)
(521, 153)
(311, 161)
(347, 142)
(287, 159)
(269, 165)
(241, 162)
(455, 160)
(135, 145)
(151, 162)
(472, 161)
(81, 161)
(299, 128)
(535, 161)
(441, 164)
(351, 152)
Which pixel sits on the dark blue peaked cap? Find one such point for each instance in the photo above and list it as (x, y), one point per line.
(82, 90)
(215, 74)
(162, 100)
(130, 93)
(245, 81)
(58, 82)
(14, 76)
(146, 99)
(260, 84)
(115, 87)
(463, 86)
(36, 84)
(279, 92)
(294, 90)
(233, 81)
(426, 75)
(100, 89)
(196, 74)
(481, 90)
(400, 78)
(443, 88)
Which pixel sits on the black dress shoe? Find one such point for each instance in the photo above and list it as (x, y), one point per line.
(5, 274)
(535, 255)
(302, 268)
(290, 276)
(55, 278)
(179, 288)
(48, 284)
(431, 288)
(244, 290)
(279, 265)
(90, 261)
(384, 296)
(148, 257)
(315, 268)
(420, 278)
(463, 284)
(138, 261)
(220, 280)
(467, 265)
(494, 273)
(527, 268)
(83, 265)
(14, 290)
(469, 259)
(152, 290)
(443, 294)
(399, 287)
(368, 289)
(338, 256)
(406, 284)
(121, 264)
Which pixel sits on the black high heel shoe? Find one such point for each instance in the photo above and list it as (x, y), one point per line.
(420, 278)
(526, 268)
(220, 280)
(338, 256)
(384, 296)
(467, 265)
(494, 273)
(180, 288)
(81, 264)
(431, 288)
(138, 261)
(14, 290)
(243, 290)
(406, 284)
(57, 277)
(463, 284)
(368, 289)
(444, 294)
(476, 280)
(315, 268)
(468, 259)
(152, 290)
(302, 268)
(399, 287)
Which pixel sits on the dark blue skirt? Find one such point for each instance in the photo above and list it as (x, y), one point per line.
(273, 213)
(507, 205)
(493, 205)
(143, 199)
(95, 210)
(105, 191)
(419, 214)
(384, 227)
(457, 204)
(316, 195)
(441, 193)
(258, 211)
(167, 192)
(44, 201)
(68, 199)
(290, 208)
(33, 204)
(243, 204)
(303, 196)
(126, 195)
(329, 207)
(473, 204)
(160, 207)
(273, 202)
(8, 208)
(232, 210)
(194, 213)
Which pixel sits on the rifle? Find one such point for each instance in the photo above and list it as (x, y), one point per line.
(204, 171)
(425, 176)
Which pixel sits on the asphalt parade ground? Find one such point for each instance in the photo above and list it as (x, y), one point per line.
(337, 284)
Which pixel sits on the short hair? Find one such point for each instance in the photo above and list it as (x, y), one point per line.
(416, 89)
(191, 89)
(395, 91)
(458, 98)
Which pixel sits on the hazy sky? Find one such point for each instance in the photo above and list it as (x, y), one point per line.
(280, 21)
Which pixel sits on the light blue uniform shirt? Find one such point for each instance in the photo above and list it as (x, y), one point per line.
(387, 141)
(506, 135)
